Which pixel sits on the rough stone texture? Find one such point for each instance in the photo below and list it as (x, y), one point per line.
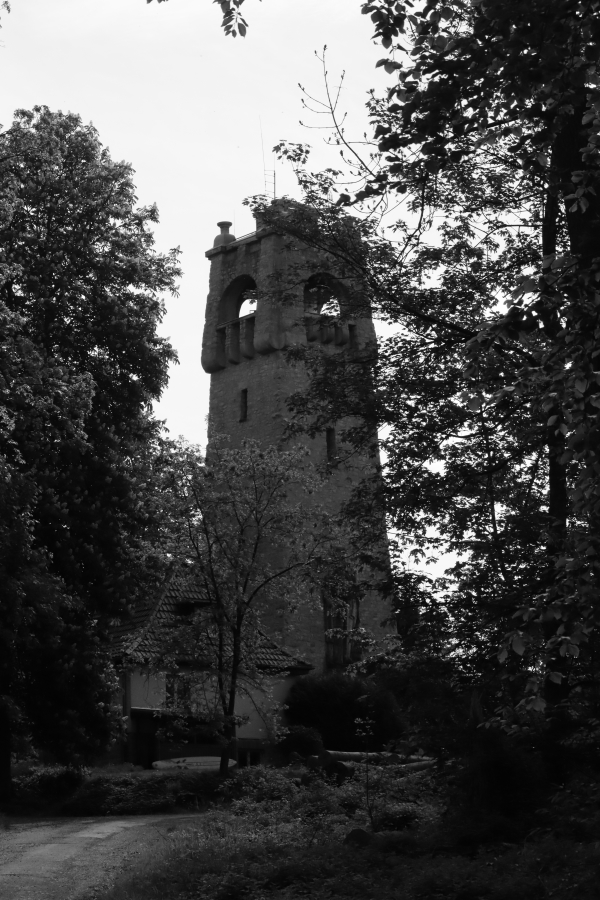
(247, 355)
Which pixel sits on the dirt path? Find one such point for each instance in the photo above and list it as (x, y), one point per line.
(66, 859)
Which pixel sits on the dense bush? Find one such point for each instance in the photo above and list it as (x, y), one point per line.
(259, 784)
(42, 784)
(502, 776)
(302, 740)
(340, 706)
(435, 705)
(139, 793)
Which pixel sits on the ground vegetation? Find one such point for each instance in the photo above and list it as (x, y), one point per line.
(292, 833)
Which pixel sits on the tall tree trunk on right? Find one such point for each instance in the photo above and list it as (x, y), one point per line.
(5, 754)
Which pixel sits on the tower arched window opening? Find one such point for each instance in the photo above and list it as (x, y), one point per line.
(237, 296)
(322, 295)
(248, 303)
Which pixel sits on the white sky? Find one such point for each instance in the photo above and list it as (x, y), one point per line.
(171, 94)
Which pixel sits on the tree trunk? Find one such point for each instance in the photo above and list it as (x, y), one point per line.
(558, 505)
(583, 224)
(5, 755)
(557, 472)
(229, 750)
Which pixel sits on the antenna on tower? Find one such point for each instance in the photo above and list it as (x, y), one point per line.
(269, 174)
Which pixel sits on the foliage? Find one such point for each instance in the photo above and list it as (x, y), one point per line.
(513, 86)
(245, 531)
(302, 740)
(435, 700)
(47, 783)
(140, 793)
(80, 300)
(484, 157)
(333, 703)
(278, 842)
(233, 22)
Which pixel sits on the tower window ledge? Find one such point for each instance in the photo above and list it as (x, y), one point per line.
(251, 315)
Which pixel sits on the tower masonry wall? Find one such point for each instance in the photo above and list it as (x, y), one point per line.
(252, 379)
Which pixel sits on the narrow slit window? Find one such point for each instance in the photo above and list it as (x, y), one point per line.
(243, 404)
(331, 441)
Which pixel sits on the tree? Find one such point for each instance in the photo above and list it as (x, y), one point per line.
(517, 82)
(247, 533)
(491, 127)
(482, 387)
(233, 23)
(80, 362)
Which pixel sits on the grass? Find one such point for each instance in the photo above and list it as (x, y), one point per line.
(273, 837)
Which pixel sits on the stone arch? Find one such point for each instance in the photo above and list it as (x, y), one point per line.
(233, 298)
(324, 295)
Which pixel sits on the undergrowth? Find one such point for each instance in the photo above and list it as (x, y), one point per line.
(61, 790)
(286, 834)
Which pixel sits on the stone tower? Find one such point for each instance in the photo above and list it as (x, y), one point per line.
(266, 295)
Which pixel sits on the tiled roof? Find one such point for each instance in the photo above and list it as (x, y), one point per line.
(141, 634)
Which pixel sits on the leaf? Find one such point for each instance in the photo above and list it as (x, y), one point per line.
(538, 704)
(556, 677)
(527, 286)
(518, 644)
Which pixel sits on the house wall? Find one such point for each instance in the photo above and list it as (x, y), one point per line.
(257, 729)
(146, 691)
(144, 698)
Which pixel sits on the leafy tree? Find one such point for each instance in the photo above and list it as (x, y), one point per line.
(246, 531)
(80, 362)
(487, 387)
(515, 84)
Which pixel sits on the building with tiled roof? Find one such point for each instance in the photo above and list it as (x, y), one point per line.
(137, 641)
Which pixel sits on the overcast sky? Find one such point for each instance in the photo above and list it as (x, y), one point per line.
(171, 94)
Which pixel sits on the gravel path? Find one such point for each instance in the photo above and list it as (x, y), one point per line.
(67, 859)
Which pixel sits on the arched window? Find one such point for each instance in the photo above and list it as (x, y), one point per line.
(248, 306)
(323, 296)
(324, 305)
(235, 298)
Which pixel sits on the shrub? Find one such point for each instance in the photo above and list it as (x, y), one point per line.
(501, 776)
(333, 703)
(46, 783)
(427, 688)
(258, 783)
(302, 740)
(140, 793)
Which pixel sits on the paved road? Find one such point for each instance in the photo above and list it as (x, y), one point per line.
(65, 859)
